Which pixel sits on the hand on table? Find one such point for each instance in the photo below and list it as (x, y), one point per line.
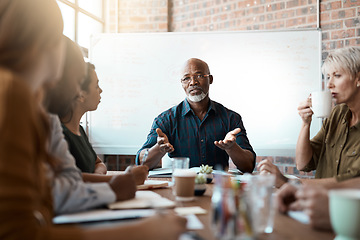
(313, 200)
(266, 167)
(163, 142)
(229, 140)
(285, 197)
(123, 186)
(139, 173)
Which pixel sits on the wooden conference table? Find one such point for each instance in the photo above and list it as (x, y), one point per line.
(285, 228)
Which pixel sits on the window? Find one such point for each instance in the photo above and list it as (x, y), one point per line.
(82, 18)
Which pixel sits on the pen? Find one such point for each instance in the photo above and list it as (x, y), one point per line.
(145, 156)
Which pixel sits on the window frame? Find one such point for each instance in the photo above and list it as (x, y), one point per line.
(77, 10)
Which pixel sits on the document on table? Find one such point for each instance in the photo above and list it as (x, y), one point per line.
(129, 209)
(144, 199)
(152, 184)
(98, 215)
(183, 211)
(167, 172)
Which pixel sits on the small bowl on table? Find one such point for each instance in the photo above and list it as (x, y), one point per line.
(200, 184)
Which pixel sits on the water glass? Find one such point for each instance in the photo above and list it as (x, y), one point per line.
(261, 198)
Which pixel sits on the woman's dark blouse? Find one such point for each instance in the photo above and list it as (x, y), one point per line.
(81, 149)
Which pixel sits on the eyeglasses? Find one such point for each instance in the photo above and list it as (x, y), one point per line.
(196, 77)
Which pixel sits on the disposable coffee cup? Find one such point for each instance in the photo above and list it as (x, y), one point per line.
(179, 163)
(321, 103)
(184, 184)
(344, 205)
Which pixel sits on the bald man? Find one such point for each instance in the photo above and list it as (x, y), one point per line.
(198, 128)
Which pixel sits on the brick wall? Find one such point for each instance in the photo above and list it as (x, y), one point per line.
(112, 16)
(339, 21)
(205, 15)
(140, 16)
(118, 162)
(340, 24)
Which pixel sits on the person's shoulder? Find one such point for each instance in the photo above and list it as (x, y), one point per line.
(17, 103)
(66, 131)
(338, 113)
(13, 86)
(56, 130)
(54, 120)
(14, 93)
(173, 111)
(218, 107)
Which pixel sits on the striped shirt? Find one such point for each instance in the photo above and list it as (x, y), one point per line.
(194, 138)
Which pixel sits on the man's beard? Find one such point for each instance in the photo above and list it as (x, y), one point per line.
(197, 98)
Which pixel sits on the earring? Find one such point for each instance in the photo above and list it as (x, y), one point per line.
(358, 85)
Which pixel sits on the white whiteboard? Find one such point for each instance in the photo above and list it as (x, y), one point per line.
(261, 75)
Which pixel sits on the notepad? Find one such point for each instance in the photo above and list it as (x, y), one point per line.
(143, 199)
(183, 211)
(152, 184)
